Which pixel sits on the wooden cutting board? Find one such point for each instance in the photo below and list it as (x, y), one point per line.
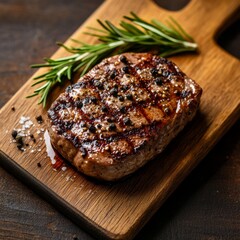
(119, 210)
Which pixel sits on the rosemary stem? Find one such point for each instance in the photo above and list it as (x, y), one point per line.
(191, 45)
(134, 35)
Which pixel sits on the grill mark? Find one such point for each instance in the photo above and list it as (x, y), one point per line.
(132, 106)
(144, 85)
(110, 113)
(144, 114)
(142, 131)
(119, 135)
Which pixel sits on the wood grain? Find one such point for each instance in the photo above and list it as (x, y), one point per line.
(119, 210)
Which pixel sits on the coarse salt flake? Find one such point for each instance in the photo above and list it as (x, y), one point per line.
(23, 119)
(64, 168)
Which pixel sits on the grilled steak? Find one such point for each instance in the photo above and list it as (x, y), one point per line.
(121, 114)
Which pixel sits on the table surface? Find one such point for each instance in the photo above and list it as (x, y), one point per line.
(207, 203)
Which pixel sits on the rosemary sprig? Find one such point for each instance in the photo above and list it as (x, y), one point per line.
(132, 35)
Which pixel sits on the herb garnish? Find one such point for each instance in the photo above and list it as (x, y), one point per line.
(132, 35)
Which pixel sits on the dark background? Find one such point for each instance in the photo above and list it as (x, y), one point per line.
(207, 203)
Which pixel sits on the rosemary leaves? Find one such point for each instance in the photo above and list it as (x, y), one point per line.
(132, 35)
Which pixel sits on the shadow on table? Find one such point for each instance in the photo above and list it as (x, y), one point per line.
(191, 193)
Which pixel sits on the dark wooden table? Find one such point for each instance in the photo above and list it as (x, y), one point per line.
(207, 203)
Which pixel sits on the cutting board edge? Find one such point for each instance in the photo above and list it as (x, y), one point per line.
(50, 197)
(10, 161)
(77, 217)
(156, 204)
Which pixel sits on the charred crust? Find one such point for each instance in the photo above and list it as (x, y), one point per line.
(110, 123)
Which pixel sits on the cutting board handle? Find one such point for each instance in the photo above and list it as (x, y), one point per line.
(210, 15)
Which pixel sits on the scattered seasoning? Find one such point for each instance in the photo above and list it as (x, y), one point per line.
(78, 104)
(154, 72)
(177, 93)
(23, 120)
(129, 96)
(123, 109)
(13, 109)
(125, 87)
(20, 147)
(80, 85)
(19, 140)
(110, 139)
(165, 73)
(39, 164)
(39, 119)
(92, 129)
(83, 125)
(93, 100)
(104, 109)
(14, 134)
(159, 81)
(184, 94)
(22, 133)
(64, 168)
(112, 127)
(86, 100)
(107, 148)
(127, 121)
(114, 92)
(69, 88)
(110, 120)
(67, 104)
(84, 152)
(33, 138)
(113, 74)
(98, 84)
(125, 69)
(167, 111)
(123, 59)
(121, 98)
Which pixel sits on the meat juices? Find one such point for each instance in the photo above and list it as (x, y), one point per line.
(121, 114)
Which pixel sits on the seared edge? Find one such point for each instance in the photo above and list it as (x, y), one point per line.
(141, 102)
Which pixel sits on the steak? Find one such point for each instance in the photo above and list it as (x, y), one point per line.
(121, 114)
